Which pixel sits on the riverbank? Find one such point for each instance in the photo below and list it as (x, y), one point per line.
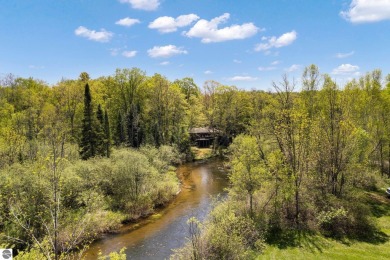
(96, 197)
(167, 228)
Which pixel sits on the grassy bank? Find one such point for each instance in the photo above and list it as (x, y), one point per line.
(318, 247)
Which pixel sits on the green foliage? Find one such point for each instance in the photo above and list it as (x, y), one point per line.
(333, 220)
(305, 160)
(95, 134)
(299, 159)
(228, 234)
(248, 169)
(114, 255)
(107, 135)
(88, 134)
(97, 195)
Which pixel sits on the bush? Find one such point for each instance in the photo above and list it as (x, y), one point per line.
(226, 235)
(334, 221)
(96, 195)
(347, 217)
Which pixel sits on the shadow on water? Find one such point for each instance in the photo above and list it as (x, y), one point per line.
(156, 236)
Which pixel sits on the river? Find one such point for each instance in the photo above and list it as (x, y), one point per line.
(156, 236)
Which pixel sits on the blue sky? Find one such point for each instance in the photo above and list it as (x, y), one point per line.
(246, 43)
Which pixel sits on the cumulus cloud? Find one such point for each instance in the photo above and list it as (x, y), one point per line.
(129, 54)
(127, 21)
(242, 78)
(344, 55)
(208, 31)
(366, 11)
(276, 62)
(237, 61)
(276, 42)
(147, 5)
(99, 36)
(165, 51)
(165, 63)
(167, 24)
(345, 69)
(208, 72)
(293, 68)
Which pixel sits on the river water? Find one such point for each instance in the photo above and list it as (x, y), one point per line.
(156, 236)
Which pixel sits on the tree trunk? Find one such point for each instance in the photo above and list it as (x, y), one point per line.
(381, 157)
(251, 204)
(297, 208)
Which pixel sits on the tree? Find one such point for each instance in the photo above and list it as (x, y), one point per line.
(56, 134)
(119, 136)
(134, 126)
(193, 97)
(248, 169)
(68, 97)
(99, 129)
(107, 133)
(84, 77)
(289, 126)
(88, 135)
(126, 90)
(334, 138)
(209, 102)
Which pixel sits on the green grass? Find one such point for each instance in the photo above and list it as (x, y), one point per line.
(319, 247)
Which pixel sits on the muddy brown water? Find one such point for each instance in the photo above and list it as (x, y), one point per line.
(156, 236)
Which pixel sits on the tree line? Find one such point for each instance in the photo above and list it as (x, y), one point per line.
(102, 147)
(302, 166)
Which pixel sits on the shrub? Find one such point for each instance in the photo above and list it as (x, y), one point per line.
(333, 221)
(226, 235)
(347, 217)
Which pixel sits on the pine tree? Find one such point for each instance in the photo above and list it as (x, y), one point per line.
(100, 132)
(88, 137)
(134, 130)
(119, 131)
(107, 134)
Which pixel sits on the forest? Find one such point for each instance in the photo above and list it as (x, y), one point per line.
(80, 158)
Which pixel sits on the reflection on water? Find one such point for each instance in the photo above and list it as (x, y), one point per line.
(156, 236)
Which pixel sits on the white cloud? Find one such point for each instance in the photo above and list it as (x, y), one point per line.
(344, 55)
(147, 5)
(167, 24)
(165, 63)
(35, 67)
(266, 68)
(208, 72)
(242, 78)
(165, 51)
(273, 42)
(366, 11)
(209, 31)
(129, 54)
(99, 36)
(346, 69)
(237, 61)
(127, 21)
(275, 63)
(293, 68)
